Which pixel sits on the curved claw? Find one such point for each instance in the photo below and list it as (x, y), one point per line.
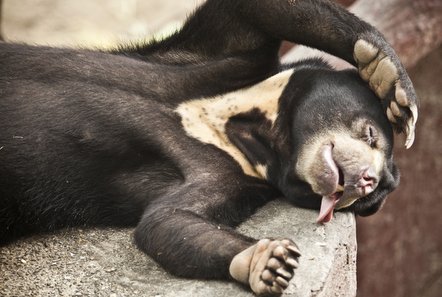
(414, 114)
(410, 129)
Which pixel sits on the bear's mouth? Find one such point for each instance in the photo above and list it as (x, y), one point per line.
(329, 202)
(335, 179)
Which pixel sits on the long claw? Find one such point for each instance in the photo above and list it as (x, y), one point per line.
(282, 282)
(284, 273)
(410, 134)
(292, 263)
(411, 127)
(414, 113)
(294, 250)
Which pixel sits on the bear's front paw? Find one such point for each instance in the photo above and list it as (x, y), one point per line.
(388, 79)
(267, 266)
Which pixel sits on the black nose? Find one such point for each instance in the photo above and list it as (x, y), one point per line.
(367, 181)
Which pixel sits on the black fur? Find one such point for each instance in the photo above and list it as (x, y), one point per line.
(91, 138)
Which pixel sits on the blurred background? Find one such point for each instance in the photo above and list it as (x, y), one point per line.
(400, 247)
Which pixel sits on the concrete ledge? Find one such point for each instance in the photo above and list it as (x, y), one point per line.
(106, 263)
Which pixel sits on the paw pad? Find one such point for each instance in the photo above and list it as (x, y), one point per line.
(267, 266)
(387, 78)
(272, 266)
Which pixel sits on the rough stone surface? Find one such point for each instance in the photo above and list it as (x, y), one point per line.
(106, 262)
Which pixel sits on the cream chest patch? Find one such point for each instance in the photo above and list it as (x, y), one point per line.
(205, 119)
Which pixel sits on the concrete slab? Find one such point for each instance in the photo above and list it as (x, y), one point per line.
(106, 262)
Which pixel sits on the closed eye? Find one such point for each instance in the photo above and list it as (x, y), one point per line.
(371, 136)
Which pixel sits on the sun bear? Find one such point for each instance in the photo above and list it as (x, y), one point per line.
(186, 137)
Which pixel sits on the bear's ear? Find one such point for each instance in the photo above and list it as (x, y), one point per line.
(250, 133)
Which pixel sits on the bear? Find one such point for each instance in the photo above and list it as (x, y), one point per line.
(184, 138)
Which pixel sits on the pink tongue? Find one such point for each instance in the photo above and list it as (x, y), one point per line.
(326, 212)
